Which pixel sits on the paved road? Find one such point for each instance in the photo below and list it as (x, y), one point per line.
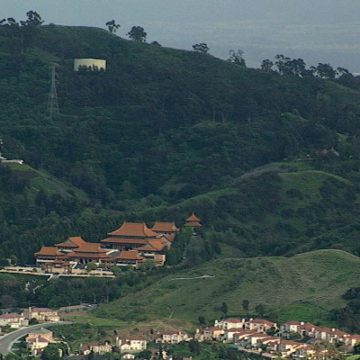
(7, 341)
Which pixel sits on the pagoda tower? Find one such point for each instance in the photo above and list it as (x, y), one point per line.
(193, 221)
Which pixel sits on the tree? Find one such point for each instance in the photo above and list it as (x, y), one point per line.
(91, 266)
(267, 65)
(260, 309)
(33, 19)
(236, 57)
(137, 33)
(51, 352)
(201, 320)
(324, 71)
(224, 308)
(356, 349)
(245, 305)
(201, 48)
(147, 265)
(145, 354)
(13, 260)
(112, 26)
(194, 347)
(116, 270)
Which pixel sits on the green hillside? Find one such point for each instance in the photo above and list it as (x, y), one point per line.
(302, 287)
(164, 132)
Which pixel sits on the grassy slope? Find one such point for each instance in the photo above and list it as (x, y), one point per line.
(305, 287)
(41, 180)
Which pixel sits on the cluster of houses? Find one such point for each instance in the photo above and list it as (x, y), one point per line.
(129, 245)
(128, 347)
(258, 336)
(16, 321)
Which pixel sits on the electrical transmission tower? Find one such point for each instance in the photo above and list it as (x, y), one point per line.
(53, 105)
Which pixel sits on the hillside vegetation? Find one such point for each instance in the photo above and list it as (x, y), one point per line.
(303, 287)
(165, 132)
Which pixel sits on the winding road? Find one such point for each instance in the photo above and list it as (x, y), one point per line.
(7, 341)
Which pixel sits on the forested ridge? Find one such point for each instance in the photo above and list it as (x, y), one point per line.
(164, 132)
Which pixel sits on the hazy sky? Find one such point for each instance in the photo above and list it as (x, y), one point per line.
(316, 30)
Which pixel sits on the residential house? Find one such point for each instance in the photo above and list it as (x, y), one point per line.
(13, 320)
(172, 337)
(288, 347)
(352, 340)
(41, 314)
(305, 352)
(242, 337)
(131, 344)
(259, 325)
(338, 336)
(228, 335)
(307, 329)
(257, 338)
(323, 334)
(96, 348)
(37, 340)
(266, 342)
(291, 326)
(209, 333)
(230, 323)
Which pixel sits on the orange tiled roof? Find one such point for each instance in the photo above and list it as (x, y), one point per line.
(153, 245)
(193, 224)
(245, 332)
(292, 323)
(164, 226)
(124, 241)
(193, 217)
(158, 244)
(290, 343)
(90, 248)
(134, 230)
(11, 316)
(262, 321)
(170, 237)
(72, 242)
(233, 320)
(37, 339)
(49, 251)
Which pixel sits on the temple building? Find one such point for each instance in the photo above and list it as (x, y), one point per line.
(168, 229)
(129, 245)
(137, 236)
(193, 221)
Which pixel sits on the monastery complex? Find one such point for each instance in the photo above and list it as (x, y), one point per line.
(129, 245)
